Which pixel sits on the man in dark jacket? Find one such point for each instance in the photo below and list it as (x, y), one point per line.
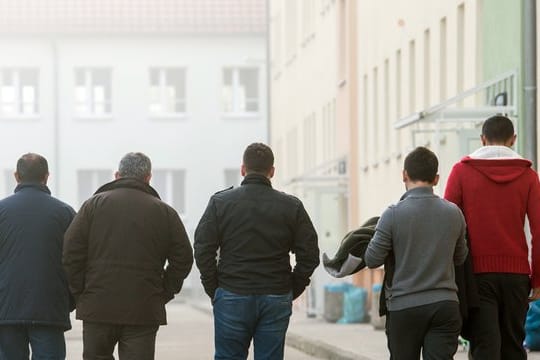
(254, 228)
(34, 294)
(114, 255)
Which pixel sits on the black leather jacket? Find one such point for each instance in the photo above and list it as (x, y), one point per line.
(252, 230)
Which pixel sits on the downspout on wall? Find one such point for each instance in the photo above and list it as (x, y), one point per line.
(529, 81)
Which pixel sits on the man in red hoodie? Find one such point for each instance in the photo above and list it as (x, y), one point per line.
(496, 188)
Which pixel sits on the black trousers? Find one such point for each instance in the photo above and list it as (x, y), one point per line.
(497, 328)
(432, 329)
(134, 342)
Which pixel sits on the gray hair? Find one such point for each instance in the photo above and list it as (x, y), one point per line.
(135, 165)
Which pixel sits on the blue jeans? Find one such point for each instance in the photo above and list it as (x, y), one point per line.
(47, 342)
(240, 318)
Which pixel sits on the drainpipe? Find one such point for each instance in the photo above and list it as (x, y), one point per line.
(268, 77)
(56, 117)
(529, 80)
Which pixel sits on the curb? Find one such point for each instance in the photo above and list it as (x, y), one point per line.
(320, 349)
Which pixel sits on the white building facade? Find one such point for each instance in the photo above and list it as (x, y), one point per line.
(181, 81)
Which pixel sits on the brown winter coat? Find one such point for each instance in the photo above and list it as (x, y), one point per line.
(115, 252)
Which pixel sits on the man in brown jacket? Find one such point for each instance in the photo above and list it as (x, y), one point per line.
(114, 256)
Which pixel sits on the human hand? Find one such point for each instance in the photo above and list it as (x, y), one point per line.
(535, 294)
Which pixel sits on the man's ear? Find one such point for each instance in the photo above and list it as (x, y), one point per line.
(116, 175)
(243, 170)
(271, 172)
(147, 178)
(436, 180)
(45, 179)
(511, 141)
(483, 140)
(405, 175)
(17, 177)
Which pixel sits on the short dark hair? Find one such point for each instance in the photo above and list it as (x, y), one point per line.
(258, 158)
(498, 129)
(135, 165)
(32, 168)
(421, 165)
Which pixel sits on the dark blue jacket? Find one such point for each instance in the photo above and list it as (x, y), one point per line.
(33, 286)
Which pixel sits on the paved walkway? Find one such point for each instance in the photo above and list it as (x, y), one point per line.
(189, 335)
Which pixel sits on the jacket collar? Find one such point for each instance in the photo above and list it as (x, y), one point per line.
(33, 185)
(257, 179)
(495, 152)
(422, 191)
(129, 183)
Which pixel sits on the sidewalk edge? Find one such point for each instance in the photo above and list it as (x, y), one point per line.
(320, 349)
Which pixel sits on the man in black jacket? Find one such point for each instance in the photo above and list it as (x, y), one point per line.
(252, 285)
(34, 294)
(114, 255)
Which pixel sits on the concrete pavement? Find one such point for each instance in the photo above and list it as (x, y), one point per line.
(189, 335)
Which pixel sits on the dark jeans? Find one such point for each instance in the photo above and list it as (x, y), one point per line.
(47, 342)
(497, 328)
(134, 342)
(432, 329)
(240, 318)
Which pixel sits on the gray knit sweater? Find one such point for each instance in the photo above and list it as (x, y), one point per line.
(427, 236)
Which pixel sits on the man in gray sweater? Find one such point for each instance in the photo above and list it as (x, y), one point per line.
(425, 236)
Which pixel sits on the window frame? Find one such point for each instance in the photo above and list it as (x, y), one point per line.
(162, 82)
(88, 86)
(18, 102)
(235, 85)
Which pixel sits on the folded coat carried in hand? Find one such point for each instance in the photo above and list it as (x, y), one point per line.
(349, 258)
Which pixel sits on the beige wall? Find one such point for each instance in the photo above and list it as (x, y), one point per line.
(303, 84)
(405, 68)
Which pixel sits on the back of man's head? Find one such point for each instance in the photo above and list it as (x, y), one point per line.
(258, 158)
(135, 165)
(32, 168)
(421, 165)
(498, 129)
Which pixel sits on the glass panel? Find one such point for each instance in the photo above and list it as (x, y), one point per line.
(103, 177)
(7, 94)
(227, 90)
(28, 79)
(101, 90)
(154, 77)
(159, 183)
(84, 182)
(179, 191)
(232, 177)
(248, 89)
(9, 182)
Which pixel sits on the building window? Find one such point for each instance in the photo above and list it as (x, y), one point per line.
(310, 138)
(240, 93)
(291, 24)
(167, 91)
(276, 42)
(171, 187)
(308, 18)
(9, 182)
(231, 177)
(460, 53)
(90, 180)
(18, 91)
(292, 153)
(427, 68)
(342, 45)
(442, 60)
(412, 76)
(93, 91)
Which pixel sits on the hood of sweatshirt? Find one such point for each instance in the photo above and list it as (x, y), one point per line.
(498, 163)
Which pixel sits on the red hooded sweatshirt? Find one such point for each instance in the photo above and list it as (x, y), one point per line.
(496, 188)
